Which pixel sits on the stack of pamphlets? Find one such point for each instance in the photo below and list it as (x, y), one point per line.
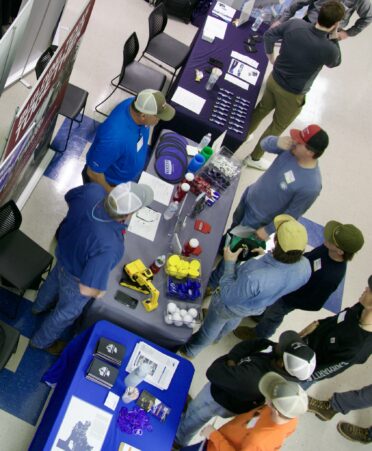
(102, 373)
(110, 350)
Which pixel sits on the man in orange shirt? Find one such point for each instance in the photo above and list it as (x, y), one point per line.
(264, 428)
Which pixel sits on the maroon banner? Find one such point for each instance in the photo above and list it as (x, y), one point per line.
(38, 115)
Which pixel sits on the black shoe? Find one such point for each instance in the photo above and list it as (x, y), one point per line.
(245, 333)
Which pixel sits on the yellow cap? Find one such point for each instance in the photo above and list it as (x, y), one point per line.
(291, 235)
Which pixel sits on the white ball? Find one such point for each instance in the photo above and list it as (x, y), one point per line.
(193, 312)
(176, 317)
(172, 307)
(168, 319)
(178, 323)
(187, 319)
(183, 312)
(191, 324)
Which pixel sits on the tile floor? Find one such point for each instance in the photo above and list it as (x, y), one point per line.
(340, 101)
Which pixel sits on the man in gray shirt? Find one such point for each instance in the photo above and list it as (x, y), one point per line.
(363, 8)
(305, 49)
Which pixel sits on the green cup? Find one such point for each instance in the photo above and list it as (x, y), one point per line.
(207, 152)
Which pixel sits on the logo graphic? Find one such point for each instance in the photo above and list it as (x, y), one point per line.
(111, 349)
(104, 371)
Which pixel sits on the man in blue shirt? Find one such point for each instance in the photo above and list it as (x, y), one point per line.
(90, 245)
(289, 186)
(254, 285)
(328, 268)
(119, 150)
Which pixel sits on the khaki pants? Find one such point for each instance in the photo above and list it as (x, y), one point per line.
(286, 105)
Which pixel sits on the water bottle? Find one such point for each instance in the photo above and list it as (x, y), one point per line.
(257, 23)
(157, 264)
(132, 380)
(171, 210)
(205, 141)
(137, 375)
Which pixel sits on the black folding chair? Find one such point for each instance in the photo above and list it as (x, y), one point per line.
(160, 46)
(74, 100)
(22, 261)
(134, 76)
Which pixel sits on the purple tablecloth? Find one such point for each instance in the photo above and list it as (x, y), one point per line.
(195, 126)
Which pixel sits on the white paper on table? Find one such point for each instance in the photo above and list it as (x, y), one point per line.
(191, 150)
(246, 59)
(145, 223)
(112, 400)
(224, 11)
(162, 190)
(215, 27)
(237, 81)
(243, 71)
(188, 100)
(82, 422)
(162, 366)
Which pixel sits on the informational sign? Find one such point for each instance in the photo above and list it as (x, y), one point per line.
(40, 110)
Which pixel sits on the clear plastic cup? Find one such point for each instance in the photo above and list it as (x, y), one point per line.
(213, 77)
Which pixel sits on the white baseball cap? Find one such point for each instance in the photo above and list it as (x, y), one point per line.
(127, 198)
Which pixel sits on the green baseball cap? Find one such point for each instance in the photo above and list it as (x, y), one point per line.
(346, 237)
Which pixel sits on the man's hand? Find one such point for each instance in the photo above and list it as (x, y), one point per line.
(271, 57)
(207, 431)
(99, 178)
(275, 24)
(258, 251)
(308, 329)
(285, 142)
(230, 256)
(90, 292)
(262, 234)
(341, 35)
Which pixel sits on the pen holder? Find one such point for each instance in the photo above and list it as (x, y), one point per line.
(196, 163)
(207, 152)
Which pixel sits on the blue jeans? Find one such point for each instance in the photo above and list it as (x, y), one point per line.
(272, 318)
(62, 285)
(200, 410)
(216, 275)
(219, 322)
(352, 400)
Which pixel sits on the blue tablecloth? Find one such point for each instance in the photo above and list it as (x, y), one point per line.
(69, 375)
(195, 126)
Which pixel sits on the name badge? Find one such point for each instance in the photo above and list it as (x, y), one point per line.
(289, 177)
(317, 264)
(140, 144)
(341, 317)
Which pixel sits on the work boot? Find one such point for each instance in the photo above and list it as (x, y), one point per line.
(245, 333)
(354, 433)
(183, 353)
(57, 347)
(322, 409)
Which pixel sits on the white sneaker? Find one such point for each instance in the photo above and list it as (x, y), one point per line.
(261, 164)
(250, 138)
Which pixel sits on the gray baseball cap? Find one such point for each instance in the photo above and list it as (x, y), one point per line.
(153, 103)
(287, 397)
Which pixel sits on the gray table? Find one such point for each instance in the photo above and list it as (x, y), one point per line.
(151, 325)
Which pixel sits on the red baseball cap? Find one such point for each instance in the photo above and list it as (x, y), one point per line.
(313, 136)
